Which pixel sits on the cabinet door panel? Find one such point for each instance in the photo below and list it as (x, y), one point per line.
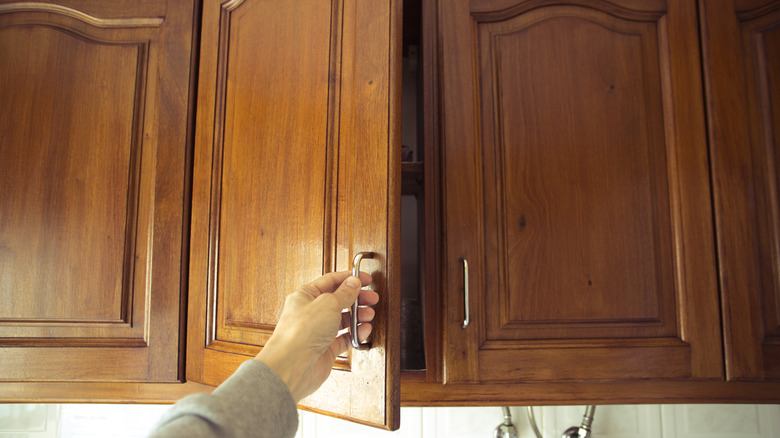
(741, 43)
(92, 198)
(576, 187)
(271, 182)
(295, 172)
(65, 248)
(562, 194)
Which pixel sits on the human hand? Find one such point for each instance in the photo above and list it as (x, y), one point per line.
(305, 343)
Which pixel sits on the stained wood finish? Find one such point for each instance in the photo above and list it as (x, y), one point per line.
(94, 116)
(99, 392)
(741, 41)
(417, 392)
(297, 168)
(576, 185)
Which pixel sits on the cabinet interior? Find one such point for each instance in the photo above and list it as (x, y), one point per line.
(412, 197)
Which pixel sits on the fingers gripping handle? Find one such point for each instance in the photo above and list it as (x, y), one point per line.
(353, 328)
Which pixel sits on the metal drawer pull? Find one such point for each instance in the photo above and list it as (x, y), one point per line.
(353, 329)
(466, 319)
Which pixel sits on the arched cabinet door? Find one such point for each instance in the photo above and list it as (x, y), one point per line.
(296, 170)
(576, 186)
(93, 144)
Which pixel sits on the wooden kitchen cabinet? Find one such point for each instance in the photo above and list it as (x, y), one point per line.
(741, 41)
(576, 186)
(576, 149)
(611, 185)
(296, 170)
(94, 116)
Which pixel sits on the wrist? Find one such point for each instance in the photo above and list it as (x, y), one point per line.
(287, 367)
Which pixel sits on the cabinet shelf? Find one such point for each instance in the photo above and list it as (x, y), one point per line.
(411, 178)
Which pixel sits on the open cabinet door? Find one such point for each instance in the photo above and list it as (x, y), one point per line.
(296, 170)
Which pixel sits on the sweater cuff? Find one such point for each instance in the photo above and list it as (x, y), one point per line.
(261, 394)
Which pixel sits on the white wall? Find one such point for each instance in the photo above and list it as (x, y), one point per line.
(621, 421)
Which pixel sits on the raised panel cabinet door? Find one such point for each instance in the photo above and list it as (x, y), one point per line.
(741, 41)
(296, 170)
(94, 113)
(577, 190)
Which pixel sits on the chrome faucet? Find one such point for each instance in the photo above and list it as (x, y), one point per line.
(573, 432)
(506, 429)
(584, 430)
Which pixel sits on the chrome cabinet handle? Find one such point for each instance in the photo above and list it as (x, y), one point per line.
(354, 310)
(466, 319)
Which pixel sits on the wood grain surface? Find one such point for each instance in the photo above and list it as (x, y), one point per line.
(297, 168)
(575, 183)
(92, 188)
(741, 44)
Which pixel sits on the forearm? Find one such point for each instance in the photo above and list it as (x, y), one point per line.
(253, 402)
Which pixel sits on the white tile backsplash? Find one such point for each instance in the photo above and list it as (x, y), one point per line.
(721, 421)
(320, 426)
(117, 421)
(461, 422)
(624, 421)
(611, 421)
(29, 421)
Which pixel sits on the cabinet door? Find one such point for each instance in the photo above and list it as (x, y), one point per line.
(741, 40)
(93, 141)
(576, 187)
(297, 168)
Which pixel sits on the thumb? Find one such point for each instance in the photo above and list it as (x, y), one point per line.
(347, 292)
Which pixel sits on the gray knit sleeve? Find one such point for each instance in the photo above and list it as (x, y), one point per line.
(253, 402)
